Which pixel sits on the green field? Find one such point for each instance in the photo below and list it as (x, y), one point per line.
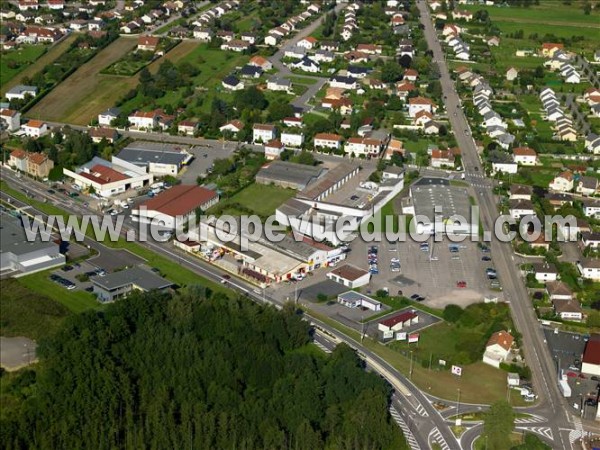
(549, 12)
(74, 300)
(15, 61)
(261, 199)
(27, 313)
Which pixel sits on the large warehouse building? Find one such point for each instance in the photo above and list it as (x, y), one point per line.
(18, 255)
(158, 159)
(428, 193)
(288, 175)
(181, 200)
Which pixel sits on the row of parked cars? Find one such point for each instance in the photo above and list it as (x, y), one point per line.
(373, 259)
(63, 281)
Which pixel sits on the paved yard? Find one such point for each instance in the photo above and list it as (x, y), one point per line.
(16, 352)
(204, 156)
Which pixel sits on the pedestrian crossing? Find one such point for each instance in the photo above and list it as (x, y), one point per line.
(531, 419)
(322, 347)
(437, 436)
(422, 411)
(410, 438)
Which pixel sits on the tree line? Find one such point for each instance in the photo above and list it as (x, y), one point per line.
(196, 370)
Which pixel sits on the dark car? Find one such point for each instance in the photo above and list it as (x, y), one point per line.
(414, 296)
(486, 258)
(67, 268)
(51, 191)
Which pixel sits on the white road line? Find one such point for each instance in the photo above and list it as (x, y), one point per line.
(439, 439)
(410, 438)
(322, 347)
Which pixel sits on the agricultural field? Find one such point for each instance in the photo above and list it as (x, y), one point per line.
(86, 92)
(15, 61)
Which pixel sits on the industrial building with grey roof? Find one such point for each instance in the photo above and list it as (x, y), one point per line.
(289, 175)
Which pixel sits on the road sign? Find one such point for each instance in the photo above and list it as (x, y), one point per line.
(456, 370)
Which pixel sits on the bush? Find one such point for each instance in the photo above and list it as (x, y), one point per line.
(453, 313)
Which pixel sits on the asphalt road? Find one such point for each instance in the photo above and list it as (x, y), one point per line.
(551, 404)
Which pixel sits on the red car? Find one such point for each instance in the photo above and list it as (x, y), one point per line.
(461, 284)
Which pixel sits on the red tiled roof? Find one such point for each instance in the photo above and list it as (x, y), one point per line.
(151, 41)
(400, 318)
(35, 123)
(420, 101)
(180, 200)
(591, 354)
(502, 338)
(37, 158)
(18, 154)
(524, 151)
(103, 174)
(328, 137)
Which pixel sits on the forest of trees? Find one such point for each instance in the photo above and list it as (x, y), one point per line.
(195, 371)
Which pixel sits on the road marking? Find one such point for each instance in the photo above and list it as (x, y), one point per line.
(322, 347)
(410, 437)
(532, 419)
(544, 431)
(439, 439)
(421, 410)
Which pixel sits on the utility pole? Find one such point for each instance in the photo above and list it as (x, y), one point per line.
(411, 366)
(458, 403)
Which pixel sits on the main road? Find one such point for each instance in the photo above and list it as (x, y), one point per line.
(537, 355)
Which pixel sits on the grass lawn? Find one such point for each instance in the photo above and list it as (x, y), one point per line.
(262, 199)
(22, 57)
(548, 12)
(302, 80)
(75, 300)
(27, 313)
(479, 382)
(414, 146)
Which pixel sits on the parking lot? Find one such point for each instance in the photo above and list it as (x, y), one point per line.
(204, 156)
(567, 349)
(433, 272)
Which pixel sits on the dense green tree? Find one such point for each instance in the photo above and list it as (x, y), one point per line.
(195, 370)
(498, 424)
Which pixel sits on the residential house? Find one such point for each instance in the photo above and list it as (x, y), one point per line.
(587, 186)
(520, 192)
(589, 268)
(39, 165)
(143, 120)
(232, 83)
(417, 104)
(557, 290)
(35, 128)
(525, 156)
(263, 132)
(11, 118)
(18, 160)
(549, 49)
(520, 208)
(308, 43)
(512, 74)
(545, 272)
(188, 127)
(590, 239)
(563, 182)
(108, 134)
(21, 92)
(343, 82)
(441, 158)
(105, 118)
(249, 71)
(327, 140)
(261, 62)
(234, 127)
(279, 84)
(148, 43)
(306, 64)
(498, 348)
(568, 309)
(293, 122)
(235, 45)
(273, 149)
(292, 139)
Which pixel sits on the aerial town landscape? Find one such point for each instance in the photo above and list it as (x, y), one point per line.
(368, 224)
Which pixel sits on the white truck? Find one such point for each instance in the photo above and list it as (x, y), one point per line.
(564, 387)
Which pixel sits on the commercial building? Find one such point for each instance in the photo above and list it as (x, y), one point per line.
(179, 201)
(350, 276)
(107, 179)
(342, 193)
(119, 285)
(18, 255)
(399, 321)
(590, 362)
(453, 215)
(158, 159)
(288, 175)
(352, 299)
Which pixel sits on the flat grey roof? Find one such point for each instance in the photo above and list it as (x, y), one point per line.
(452, 200)
(13, 239)
(351, 296)
(143, 153)
(299, 174)
(143, 278)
